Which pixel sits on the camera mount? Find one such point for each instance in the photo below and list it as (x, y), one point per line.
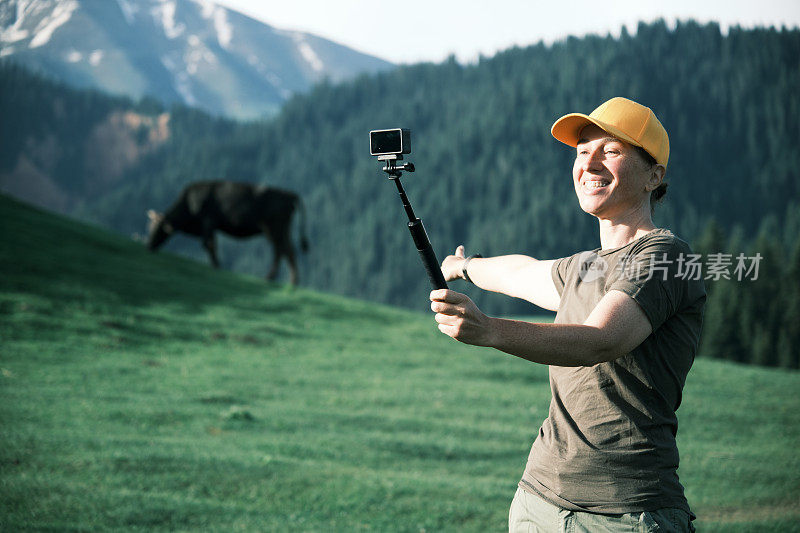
(415, 226)
(391, 167)
(394, 173)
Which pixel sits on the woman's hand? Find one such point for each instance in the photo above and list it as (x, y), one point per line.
(453, 264)
(460, 318)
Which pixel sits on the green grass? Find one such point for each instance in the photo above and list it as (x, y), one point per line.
(143, 392)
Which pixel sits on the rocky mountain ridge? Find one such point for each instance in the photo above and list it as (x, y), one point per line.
(193, 52)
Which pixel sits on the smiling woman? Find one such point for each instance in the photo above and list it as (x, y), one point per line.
(623, 340)
(612, 180)
(622, 156)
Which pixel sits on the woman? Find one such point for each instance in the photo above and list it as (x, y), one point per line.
(625, 335)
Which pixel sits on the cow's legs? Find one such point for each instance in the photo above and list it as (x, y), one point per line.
(288, 251)
(210, 244)
(276, 260)
(276, 253)
(282, 246)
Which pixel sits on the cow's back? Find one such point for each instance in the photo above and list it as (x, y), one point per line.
(239, 209)
(275, 205)
(227, 206)
(193, 209)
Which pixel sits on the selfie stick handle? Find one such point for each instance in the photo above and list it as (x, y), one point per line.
(421, 240)
(427, 254)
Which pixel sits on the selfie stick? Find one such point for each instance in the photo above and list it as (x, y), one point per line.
(415, 226)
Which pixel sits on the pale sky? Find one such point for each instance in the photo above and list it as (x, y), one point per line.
(409, 31)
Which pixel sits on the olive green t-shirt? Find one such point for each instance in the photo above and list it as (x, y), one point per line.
(608, 443)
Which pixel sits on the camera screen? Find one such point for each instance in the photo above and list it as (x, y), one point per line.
(386, 142)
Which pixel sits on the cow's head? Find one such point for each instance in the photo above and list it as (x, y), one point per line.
(158, 229)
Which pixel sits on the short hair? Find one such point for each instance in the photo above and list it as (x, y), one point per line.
(657, 195)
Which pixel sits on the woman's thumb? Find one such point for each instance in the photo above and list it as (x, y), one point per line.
(460, 251)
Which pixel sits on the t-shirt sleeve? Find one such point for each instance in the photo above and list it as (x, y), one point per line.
(559, 273)
(650, 275)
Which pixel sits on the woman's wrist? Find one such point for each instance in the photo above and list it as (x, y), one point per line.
(465, 264)
(461, 268)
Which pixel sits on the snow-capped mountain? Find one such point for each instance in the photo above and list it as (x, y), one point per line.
(190, 51)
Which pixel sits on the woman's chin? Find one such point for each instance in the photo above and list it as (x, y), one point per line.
(591, 206)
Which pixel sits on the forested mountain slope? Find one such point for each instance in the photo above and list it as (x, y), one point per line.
(489, 174)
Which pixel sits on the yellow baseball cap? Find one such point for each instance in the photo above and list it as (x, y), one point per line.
(622, 118)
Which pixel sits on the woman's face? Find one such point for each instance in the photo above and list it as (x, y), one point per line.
(611, 179)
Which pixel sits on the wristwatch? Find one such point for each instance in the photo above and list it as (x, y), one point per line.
(464, 267)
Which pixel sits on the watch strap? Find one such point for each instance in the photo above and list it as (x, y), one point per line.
(464, 273)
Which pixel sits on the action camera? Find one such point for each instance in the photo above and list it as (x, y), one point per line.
(396, 141)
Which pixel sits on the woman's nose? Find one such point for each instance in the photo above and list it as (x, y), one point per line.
(593, 160)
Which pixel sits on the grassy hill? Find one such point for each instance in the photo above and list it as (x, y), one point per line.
(149, 392)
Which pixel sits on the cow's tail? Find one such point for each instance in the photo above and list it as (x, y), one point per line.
(301, 207)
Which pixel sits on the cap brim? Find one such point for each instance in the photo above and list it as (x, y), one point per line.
(568, 128)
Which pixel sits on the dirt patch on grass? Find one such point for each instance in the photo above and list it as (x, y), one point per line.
(737, 515)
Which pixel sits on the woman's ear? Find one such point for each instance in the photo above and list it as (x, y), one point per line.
(656, 177)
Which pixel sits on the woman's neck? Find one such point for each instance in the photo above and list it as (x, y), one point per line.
(619, 232)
